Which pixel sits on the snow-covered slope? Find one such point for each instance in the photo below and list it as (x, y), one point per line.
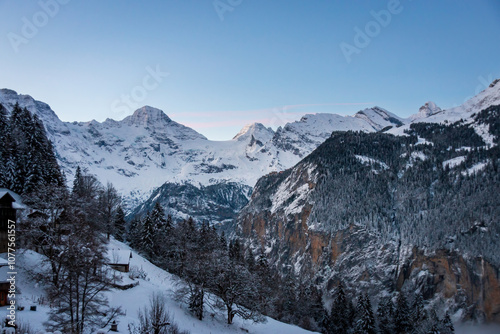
(301, 137)
(430, 113)
(147, 149)
(131, 300)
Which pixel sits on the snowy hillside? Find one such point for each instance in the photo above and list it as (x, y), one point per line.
(131, 300)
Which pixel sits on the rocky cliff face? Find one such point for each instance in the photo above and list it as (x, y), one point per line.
(383, 213)
(471, 282)
(469, 286)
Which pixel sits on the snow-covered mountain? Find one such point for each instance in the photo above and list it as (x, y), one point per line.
(147, 149)
(383, 213)
(430, 113)
(428, 109)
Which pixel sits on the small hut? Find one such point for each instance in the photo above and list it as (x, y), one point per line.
(119, 259)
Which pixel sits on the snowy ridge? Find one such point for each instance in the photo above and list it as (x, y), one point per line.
(258, 130)
(379, 118)
(147, 149)
(291, 195)
(303, 136)
(430, 113)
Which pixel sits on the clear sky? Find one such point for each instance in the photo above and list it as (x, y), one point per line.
(218, 65)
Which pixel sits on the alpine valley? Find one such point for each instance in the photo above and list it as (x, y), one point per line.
(375, 201)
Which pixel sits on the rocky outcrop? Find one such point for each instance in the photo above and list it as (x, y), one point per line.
(472, 282)
(356, 257)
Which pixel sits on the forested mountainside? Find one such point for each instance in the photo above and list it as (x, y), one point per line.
(382, 213)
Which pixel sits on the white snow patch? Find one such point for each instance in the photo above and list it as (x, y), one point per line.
(476, 168)
(483, 131)
(284, 193)
(423, 141)
(370, 161)
(454, 162)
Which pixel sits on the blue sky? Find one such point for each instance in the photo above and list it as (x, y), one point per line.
(250, 60)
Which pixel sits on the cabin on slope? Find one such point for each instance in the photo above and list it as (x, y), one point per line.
(10, 202)
(119, 259)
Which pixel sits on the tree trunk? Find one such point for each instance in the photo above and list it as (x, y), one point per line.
(230, 314)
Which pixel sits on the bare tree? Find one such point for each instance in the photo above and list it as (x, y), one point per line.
(109, 201)
(155, 318)
(84, 277)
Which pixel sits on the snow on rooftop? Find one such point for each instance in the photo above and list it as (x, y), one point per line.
(119, 256)
(18, 202)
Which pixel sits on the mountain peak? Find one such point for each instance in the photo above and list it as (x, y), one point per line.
(7, 91)
(258, 130)
(428, 109)
(147, 116)
(379, 118)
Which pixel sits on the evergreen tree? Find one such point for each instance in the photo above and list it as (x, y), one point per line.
(51, 172)
(338, 320)
(366, 321)
(158, 216)
(4, 122)
(250, 259)
(134, 233)
(267, 286)
(4, 147)
(196, 302)
(418, 312)
(163, 226)
(236, 251)
(108, 201)
(18, 165)
(119, 224)
(385, 316)
(148, 232)
(85, 195)
(447, 325)
(402, 319)
(27, 157)
(77, 181)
